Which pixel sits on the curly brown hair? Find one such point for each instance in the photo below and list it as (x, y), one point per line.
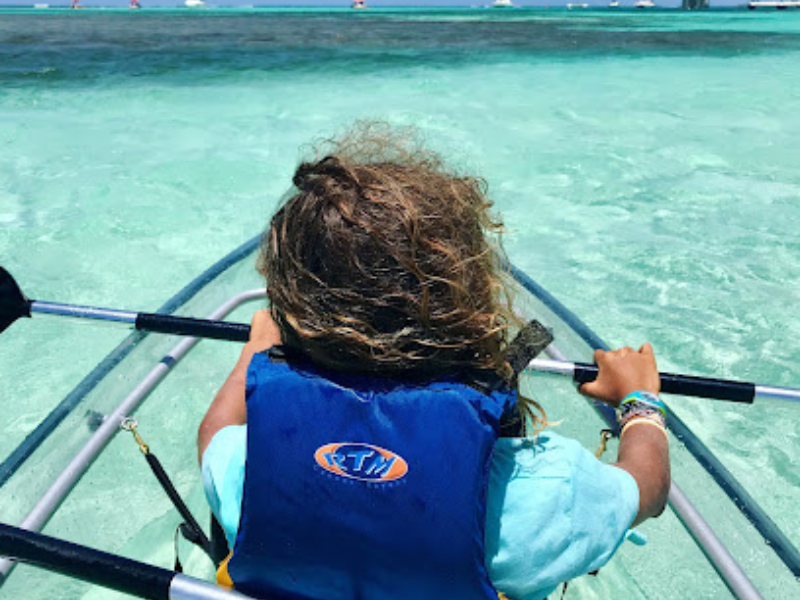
(385, 262)
(380, 264)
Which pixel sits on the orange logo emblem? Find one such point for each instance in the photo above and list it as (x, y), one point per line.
(364, 462)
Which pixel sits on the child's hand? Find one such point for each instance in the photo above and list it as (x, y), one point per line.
(622, 372)
(264, 332)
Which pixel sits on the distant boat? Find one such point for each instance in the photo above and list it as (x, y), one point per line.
(359, 5)
(41, 6)
(577, 6)
(776, 4)
(503, 4)
(645, 4)
(194, 4)
(613, 4)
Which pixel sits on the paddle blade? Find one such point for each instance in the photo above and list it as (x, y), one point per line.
(13, 303)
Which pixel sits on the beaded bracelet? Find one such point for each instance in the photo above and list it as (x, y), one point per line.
(644, 421)
(641, 404)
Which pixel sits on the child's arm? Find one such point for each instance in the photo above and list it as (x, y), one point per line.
(644, 453)
(228, 407)
(643, 449)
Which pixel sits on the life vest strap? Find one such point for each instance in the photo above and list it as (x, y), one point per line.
(223, 577)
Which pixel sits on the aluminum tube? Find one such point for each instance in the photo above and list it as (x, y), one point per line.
(555, 353)
(83, 312)
(189, 588)
(40, 514)
(557, 367)
(768, 392)
(717, 554)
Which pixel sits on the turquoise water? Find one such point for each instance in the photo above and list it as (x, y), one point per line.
(645, 164)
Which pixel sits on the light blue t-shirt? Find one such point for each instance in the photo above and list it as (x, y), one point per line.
(553, 512)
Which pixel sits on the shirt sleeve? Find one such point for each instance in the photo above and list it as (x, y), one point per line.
(605, 503)
(554, 512)
(223, 477)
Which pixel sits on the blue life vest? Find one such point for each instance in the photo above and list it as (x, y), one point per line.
(361, 489)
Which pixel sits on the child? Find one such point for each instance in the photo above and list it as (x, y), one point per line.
(358, 457)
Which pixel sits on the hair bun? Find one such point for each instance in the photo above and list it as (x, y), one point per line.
(308, 176)
(302, 176)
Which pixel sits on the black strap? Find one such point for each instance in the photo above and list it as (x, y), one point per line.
(190, 529)
(511, 425)
(277, 354)
(177, 566)
(219, 544)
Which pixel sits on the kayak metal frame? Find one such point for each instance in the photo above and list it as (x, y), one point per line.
(715, 551)
(187, 588)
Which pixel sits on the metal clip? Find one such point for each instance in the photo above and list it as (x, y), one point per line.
(129, 424)
(605, 435)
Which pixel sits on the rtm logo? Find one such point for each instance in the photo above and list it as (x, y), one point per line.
(361, 461)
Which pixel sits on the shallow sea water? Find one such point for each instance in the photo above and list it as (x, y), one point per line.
(645, 164)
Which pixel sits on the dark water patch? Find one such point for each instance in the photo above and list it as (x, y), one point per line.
(67, 47)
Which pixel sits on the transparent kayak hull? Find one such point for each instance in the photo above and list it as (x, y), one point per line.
(112, 502)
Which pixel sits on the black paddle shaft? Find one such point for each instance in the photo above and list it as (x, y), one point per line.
(80, 562)
(686, 385)
(215, 330)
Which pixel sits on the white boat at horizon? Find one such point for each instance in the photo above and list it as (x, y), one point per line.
(776, 4)
(645, 4)
(503, 4)
(194, 4)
